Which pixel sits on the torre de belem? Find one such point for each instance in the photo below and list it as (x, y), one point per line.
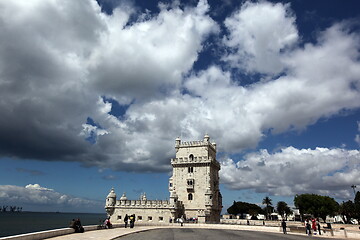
(193, 186)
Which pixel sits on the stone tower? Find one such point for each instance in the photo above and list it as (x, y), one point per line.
(195, 179)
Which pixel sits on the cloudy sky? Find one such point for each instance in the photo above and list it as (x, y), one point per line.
(94, 93)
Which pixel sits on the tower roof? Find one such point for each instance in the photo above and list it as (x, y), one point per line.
(123, 197)
(206, 138)
(111, 193)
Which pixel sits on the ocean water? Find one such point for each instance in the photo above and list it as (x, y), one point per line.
(26, 222)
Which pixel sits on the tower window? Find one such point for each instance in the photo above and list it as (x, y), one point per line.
(191, 157)
(190, 196)
(190, 184)
(190, 169)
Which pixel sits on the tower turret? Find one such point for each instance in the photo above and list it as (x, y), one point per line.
(206, 138)
(173, 198)
(123, 197)
(110, 202)
(111, 198)
(177, 143)
(143, 197)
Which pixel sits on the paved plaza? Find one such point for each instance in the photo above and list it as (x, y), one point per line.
(187, 232)
(207, 234)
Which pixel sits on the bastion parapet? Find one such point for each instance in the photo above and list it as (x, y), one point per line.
(147, 203)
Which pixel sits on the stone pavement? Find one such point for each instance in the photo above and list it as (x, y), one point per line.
(108, 234)
(104, 234)
(211, 234)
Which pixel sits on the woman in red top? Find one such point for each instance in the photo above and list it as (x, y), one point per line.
(313, 224)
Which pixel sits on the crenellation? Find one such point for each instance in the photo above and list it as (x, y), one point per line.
(195, 144)
(139, 203)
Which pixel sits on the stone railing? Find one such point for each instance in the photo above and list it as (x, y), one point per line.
(199, 159)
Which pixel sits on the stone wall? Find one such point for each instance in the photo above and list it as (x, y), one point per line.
(147, 211)
(142, 215)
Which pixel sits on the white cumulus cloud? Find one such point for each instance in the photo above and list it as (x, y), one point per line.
(357, 136)
(37, 187)
(36, 197)
(258, 32)
(293, 171)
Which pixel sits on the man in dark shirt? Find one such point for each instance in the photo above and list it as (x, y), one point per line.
(283, 224)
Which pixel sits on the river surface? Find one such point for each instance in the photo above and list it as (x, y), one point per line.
(26, 222)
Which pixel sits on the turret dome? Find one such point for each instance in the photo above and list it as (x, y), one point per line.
(206, 138)
(123, 197)
(111, 194)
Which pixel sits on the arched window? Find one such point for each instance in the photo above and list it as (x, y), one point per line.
(190, 196)
(190, 169)
(191, 157)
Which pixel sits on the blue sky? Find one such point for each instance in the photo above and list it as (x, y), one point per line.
(94, 93)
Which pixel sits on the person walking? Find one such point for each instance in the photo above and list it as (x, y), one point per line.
(308, 227)
(283, 224)
(313, 225)
(126, 219)
(132, 220)
(318, 225)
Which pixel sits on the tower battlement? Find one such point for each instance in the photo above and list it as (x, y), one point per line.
(200, 143)
(147, 204)
(196, 144)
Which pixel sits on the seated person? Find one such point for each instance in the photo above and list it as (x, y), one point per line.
(107, 223)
